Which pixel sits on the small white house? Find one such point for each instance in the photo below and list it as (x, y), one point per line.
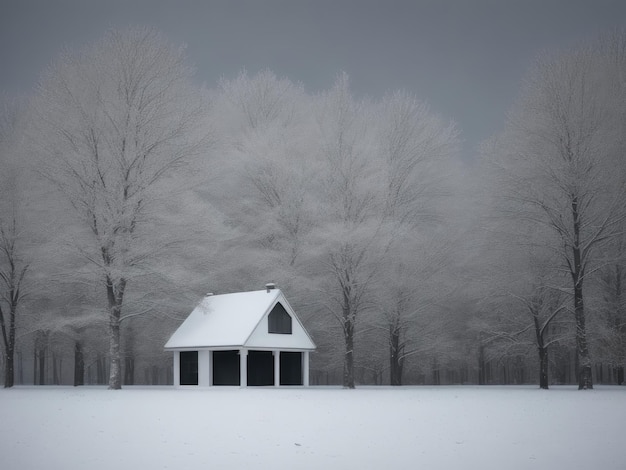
(245, 338)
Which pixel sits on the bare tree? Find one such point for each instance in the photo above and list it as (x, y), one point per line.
(557, 161)
(14, 256)
(13, 269)
(522, 312)
(117, 120)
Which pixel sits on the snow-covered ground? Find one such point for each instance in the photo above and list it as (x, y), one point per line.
(45, 428)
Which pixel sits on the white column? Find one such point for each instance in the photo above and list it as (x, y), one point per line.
(176, 368)
(243, 367)
(210, 368)
(204, 368)
(276, 368)
(305, 368)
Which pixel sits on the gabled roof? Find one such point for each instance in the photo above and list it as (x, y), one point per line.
(229, 320)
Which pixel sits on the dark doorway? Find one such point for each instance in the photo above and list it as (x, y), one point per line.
(260, 368)
(226, 367)
(189, 367)
(291, 368)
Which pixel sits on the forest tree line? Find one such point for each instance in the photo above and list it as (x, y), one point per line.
(128, 191)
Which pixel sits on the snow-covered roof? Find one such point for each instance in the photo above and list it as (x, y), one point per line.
(238, 320)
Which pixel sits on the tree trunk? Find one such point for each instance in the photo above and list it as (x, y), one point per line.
(348, 364)
(395, 359)
(39, 358)
(35, 364)
(584, 360)
(482, 366)
(115, 375)
(20, 368)
(543, 368)
(42, 366)
(79, 364)
(56, 369)
(115, 294)
(9, 349)
(9, 368)
(129, 370)
(619, 322)
(585, 381)
(129, 356)
(348, 333)
(436, 374)
(100, 370)
(9, 343)
(543, 350)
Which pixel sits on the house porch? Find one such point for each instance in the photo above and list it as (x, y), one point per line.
(241, 367)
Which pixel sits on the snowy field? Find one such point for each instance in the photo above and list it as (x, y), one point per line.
(65, 428)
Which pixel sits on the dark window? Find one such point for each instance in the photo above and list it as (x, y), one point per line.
(260, 368)
(226, 366)
(189, 367)
(290, 368)
(279, 321)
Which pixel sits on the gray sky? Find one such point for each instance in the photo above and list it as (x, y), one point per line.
(466, 58)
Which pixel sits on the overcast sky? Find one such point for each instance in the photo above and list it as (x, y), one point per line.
(466, 58)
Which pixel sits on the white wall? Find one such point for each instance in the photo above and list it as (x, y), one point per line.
(298, 339)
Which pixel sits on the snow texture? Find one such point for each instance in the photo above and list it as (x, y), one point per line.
(63, 428)
(231, 320)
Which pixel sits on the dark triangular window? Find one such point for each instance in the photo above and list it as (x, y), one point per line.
(279, 321)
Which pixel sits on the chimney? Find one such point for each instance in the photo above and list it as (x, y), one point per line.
(270, 286)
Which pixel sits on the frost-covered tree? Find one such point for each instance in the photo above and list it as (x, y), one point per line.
(348, 222)
(414, 152)
(261, 99)
(382, 168)
(560, 167)
(411, 293)
(266, 162)
(116, 122)
(321, 196)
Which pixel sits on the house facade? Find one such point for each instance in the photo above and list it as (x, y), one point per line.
(245, 339)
